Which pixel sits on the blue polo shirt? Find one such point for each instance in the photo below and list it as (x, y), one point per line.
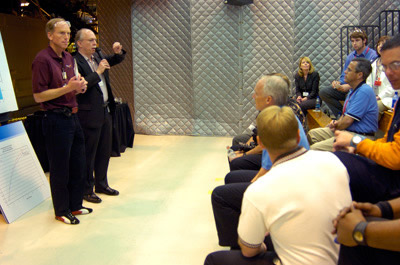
(361, 105)
(266, 162)
(368, 53)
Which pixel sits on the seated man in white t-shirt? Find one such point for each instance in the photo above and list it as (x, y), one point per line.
(291, 203)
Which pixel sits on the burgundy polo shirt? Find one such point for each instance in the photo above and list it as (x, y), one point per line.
(47, 73)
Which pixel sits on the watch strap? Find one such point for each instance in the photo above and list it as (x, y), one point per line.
(359, 233)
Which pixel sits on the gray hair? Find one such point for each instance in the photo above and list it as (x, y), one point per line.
(52, 23)
(363, 66)
(276, 87)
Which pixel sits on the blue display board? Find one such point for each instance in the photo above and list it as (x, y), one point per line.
(8, 101)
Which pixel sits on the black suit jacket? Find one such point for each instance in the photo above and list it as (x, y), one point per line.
(90, 104)
(311, 85)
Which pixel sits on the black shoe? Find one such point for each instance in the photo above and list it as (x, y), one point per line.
(92, 198)
(68, 219)
(108, 191)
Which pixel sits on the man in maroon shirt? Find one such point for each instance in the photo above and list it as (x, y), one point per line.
(55, 87)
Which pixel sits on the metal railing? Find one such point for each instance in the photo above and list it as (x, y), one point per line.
(389, 22)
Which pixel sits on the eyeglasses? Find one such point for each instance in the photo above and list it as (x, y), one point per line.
(91, 40)
(393, 66)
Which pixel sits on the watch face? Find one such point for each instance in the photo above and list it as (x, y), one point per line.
(358, 236)
(357, 139)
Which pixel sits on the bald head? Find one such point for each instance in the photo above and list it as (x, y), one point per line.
(86, 42)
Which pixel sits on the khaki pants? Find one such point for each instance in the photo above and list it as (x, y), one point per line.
(322, 139)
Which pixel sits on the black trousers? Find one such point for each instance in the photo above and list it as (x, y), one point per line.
(251, 162)
(332, 98)
(235, 257)
(308, 104)
(367, 256)
(240, 176)
(98, 142)
(66, 151)
(226, 202)
(370, 182)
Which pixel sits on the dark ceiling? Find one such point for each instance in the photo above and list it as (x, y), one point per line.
(81, 13)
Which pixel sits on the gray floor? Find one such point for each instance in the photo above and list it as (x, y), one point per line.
(162, 216)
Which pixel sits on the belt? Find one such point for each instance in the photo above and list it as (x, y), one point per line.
(365, 134)
(65, 110)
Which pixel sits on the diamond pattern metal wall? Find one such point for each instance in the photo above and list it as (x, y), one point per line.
(268, 44)
(162, 67)
(215, 37)
(114, 25)
(370, 10)
(196, 61)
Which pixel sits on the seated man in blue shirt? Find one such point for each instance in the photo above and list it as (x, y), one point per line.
(332, 95)
(360, 110)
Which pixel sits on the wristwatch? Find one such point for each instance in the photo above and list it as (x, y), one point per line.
(359, 233)
(356, 140)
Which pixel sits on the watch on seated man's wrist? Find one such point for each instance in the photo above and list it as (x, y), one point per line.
(356, 140)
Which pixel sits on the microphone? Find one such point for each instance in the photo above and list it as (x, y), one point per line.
(98, 50)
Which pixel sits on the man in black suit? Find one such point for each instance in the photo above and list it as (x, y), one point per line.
(95, 108)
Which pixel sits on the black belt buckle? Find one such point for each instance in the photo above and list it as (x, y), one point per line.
(66, 111)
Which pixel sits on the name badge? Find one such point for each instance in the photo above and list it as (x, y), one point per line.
(64, 75)
(101, 83)
(305, 94)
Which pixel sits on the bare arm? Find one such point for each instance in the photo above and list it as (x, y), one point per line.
(370, 209)
(74, 84)
(396, 208)
(344, 88)
(384, 235)
(251, 252)
(344, 122)
(255, 151)
(378, 234)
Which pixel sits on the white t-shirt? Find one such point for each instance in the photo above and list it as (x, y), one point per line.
(296, 202)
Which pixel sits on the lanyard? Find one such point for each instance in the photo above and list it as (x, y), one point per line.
(356, 55)
(367, 52)
(351, 94)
